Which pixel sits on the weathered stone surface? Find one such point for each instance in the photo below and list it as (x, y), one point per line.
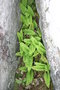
(9, 24)
(50, 27)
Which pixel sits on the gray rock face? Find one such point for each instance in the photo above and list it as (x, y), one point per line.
(9, 24)
(49, 23)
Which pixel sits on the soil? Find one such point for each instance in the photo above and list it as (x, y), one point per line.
(42, 86)
(38, 85)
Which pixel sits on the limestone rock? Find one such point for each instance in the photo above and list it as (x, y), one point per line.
(9, 24)
(49, 23)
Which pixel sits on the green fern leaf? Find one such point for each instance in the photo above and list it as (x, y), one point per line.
(24, 69)
(20, 36)
(47, 79)
(29, 32)
(30, 11)
(29, 77)
(24, 2)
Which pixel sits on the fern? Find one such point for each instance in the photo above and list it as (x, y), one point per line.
(31, 46)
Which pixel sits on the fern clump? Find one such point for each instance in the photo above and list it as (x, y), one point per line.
(31, 46)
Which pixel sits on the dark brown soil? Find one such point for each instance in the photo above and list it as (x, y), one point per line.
(39, 87)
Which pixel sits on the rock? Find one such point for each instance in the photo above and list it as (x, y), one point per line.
(49, 23)
(9, 24)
